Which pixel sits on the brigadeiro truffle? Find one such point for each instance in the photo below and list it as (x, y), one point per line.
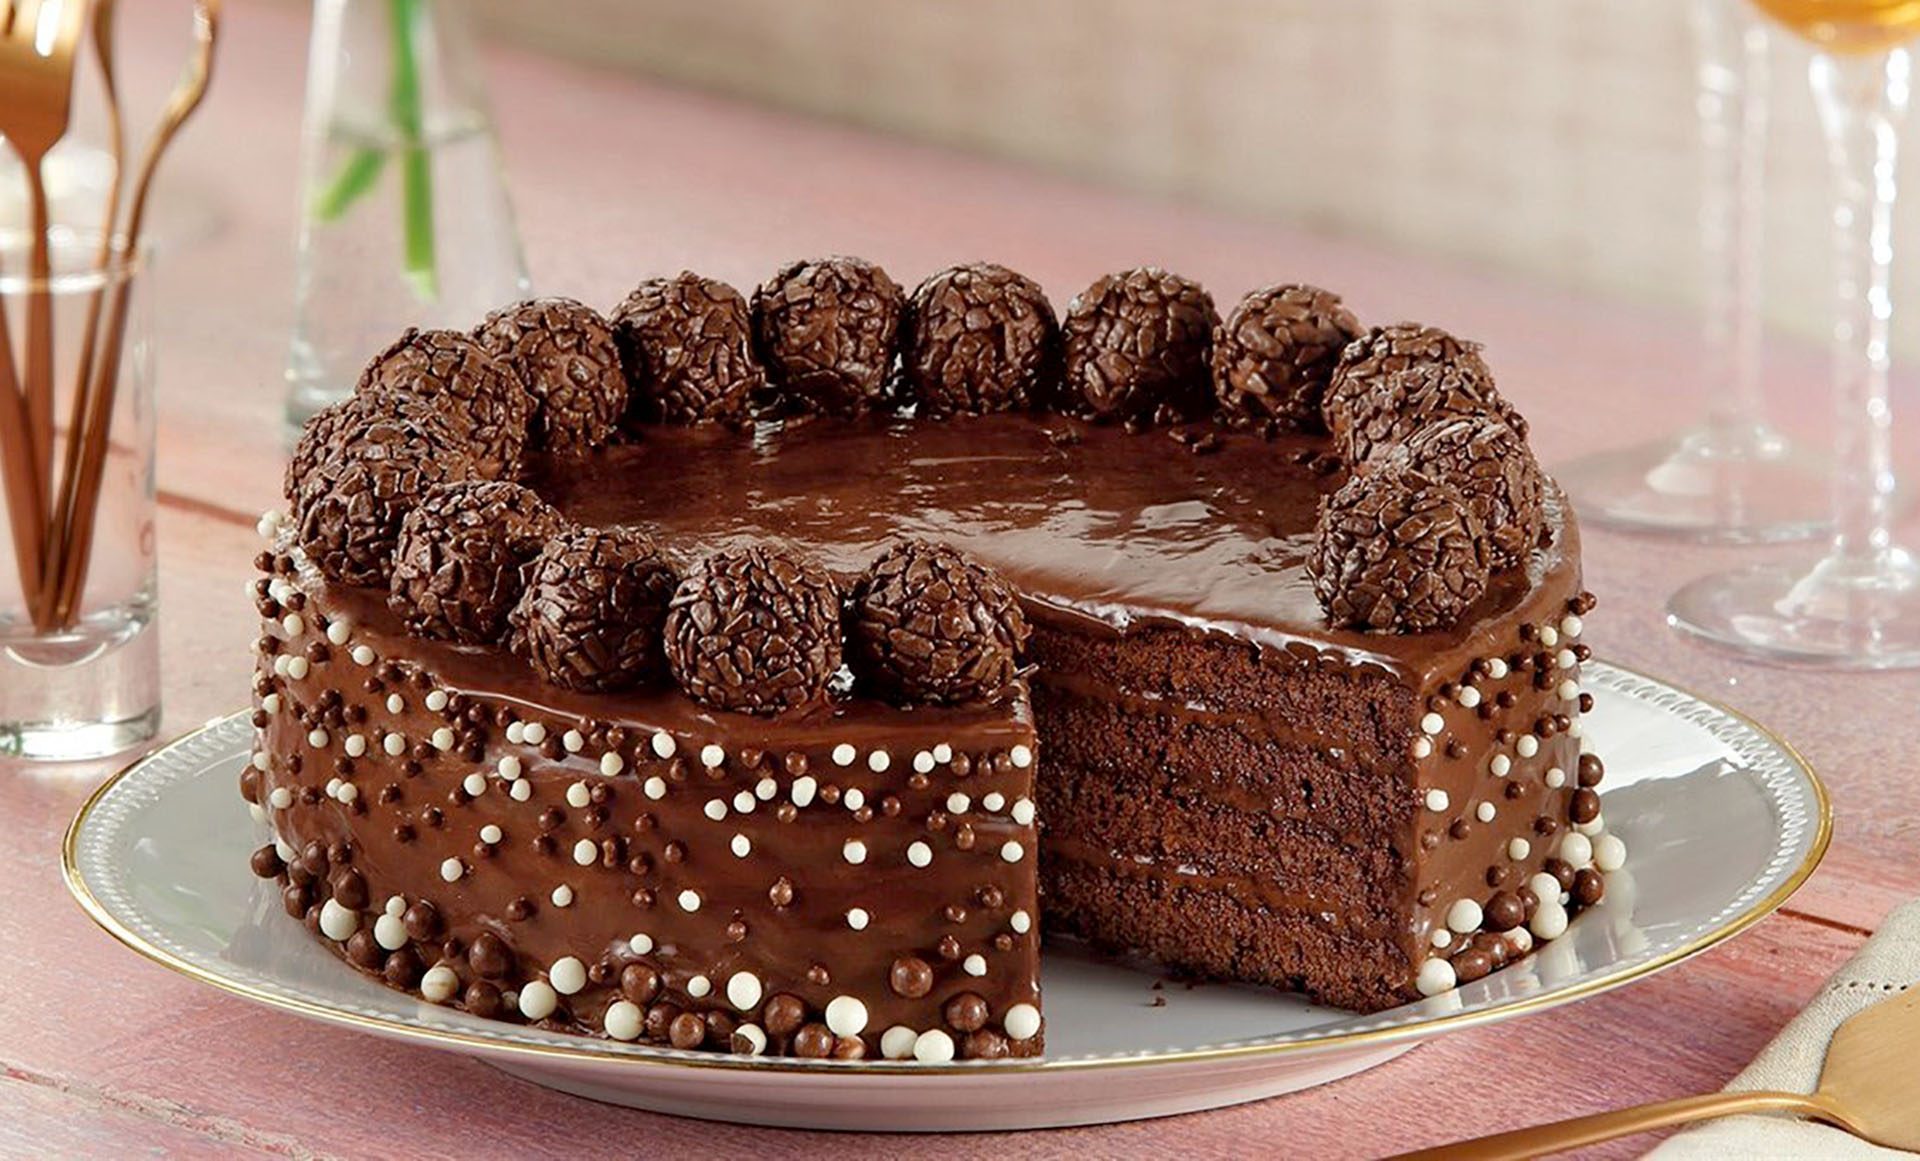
(1276, 352)
(1495, 471)
(348, 510)
(979, 338)
(565, 354)
(592, 614)
(826, 331)
(483, 398)
(755, 630)
(1137, 347)
(687, 345)
(460, 564)
(1397, 551)
(1397, 408)
(930, 624)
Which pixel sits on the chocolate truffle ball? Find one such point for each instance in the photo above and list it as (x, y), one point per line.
(348, 510)
(927, 624)
(755, 630)
(980, 338)
(826, 331)
(687, 345)
(595, 603)
(1138, 345)
(1496, 472)
(484, 399)
(461, 561)
(1402, 405)
(1397, 551)
(1273, 357)
(565, 354)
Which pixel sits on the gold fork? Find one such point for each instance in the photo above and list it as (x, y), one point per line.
(38, 42)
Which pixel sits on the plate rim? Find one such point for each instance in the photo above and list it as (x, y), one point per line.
(591, 1053)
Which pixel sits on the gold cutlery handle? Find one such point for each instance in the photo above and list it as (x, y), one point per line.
(1572, 1134)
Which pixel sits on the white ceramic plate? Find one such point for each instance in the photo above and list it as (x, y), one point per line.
(1722, 822)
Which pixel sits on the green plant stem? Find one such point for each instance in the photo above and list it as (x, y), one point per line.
(355, 178)
(417, 167)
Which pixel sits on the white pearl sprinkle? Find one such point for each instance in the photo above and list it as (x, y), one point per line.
(612, 763)
(1437, 799)
(1022, 756)
(1440, 937)
(1576, 849)
(1422, 747)
(846, 1016)
(993, 802)
(573, 742)
(923, 763)
(623, 1020)
(744, 802)
(394, 744)
(754, 1035)
(318, 739)
(957, 803)
(742, 846)
(1484, 812)
(562, 896)
(355, 745)
(857, 918)
(1012, 851)
(689, 900)
(1021, 922)
(510, 768)
(535, 733)
(390, 932)
(664, 745)
(943, 753)
(919, 854)
(1556, 777)
(1497, 667)
(654, 787)
(1500, 766)
(349, 792)
(363, 655)
(1023, 811)
(1568, 690)
(878, 761)
(282, 848)
(1609, 852)
(699, 987)
(716, 808)
(1566, 659)
(297, 668)
(854, 798)
(1591, 829)
(585, 852)
(578, 796)
(522, 790)
(844, 754)
(765, 789)
(294, 624)
(1549, 636)
(439, 984)
(974, 965)
(1022, 1021)
(269, 523)
(1468, 697)
(1464, 917)
(1435, 976)
(538, 1000)
(743, 990)
(339, 633)
(452, 869)
(567, 975)
(711, 756)
(640, 943)
(933, 1046)
(1527, 746)
(281, 798)
(256, 812)
(1518, 849)
(337, 922)
(436, 700)
(490, 834)
(395, 703)
(804, 788)
(271, 703)
(396, 905)
(474, 784)
(516, 732)
(897, 1042)
(443, 738)
(1549, 919)
(1571, 625)
(854, 851)
(280, 665)
(1432, 723)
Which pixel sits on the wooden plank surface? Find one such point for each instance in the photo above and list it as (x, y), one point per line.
(103, 1053)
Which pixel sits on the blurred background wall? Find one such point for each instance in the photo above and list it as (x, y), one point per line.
(1552, 137)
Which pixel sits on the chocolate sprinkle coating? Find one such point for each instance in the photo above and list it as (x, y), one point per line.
(565, 354)
(979, 339)
(1138, 345)
(826, 330)
(1399, 407)
(755, 630)
(484, 399)
(460, 565)
(686, 344)
(928, 624)
(1496, 472)
(595, 605)
(348, 509)
(1397, 551)
(1273, 357)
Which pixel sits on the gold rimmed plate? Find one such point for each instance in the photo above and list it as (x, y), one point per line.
(1722, 822)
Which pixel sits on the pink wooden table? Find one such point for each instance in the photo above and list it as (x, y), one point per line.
(102, 1053)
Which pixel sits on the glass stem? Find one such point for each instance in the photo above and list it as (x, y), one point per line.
(1862, 100)
(1733, 53)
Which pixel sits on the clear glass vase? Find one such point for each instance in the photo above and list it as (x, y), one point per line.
(404, 214)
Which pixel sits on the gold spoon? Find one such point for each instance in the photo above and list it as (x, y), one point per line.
(1867, 1087)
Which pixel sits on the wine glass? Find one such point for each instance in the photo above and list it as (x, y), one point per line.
(1732, 478)
(1858, 606)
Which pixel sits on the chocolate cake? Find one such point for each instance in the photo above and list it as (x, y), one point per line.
(777, 709)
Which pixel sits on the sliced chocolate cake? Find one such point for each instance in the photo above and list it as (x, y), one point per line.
(778, 704)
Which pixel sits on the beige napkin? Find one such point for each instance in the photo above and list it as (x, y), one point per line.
(1887, 963)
